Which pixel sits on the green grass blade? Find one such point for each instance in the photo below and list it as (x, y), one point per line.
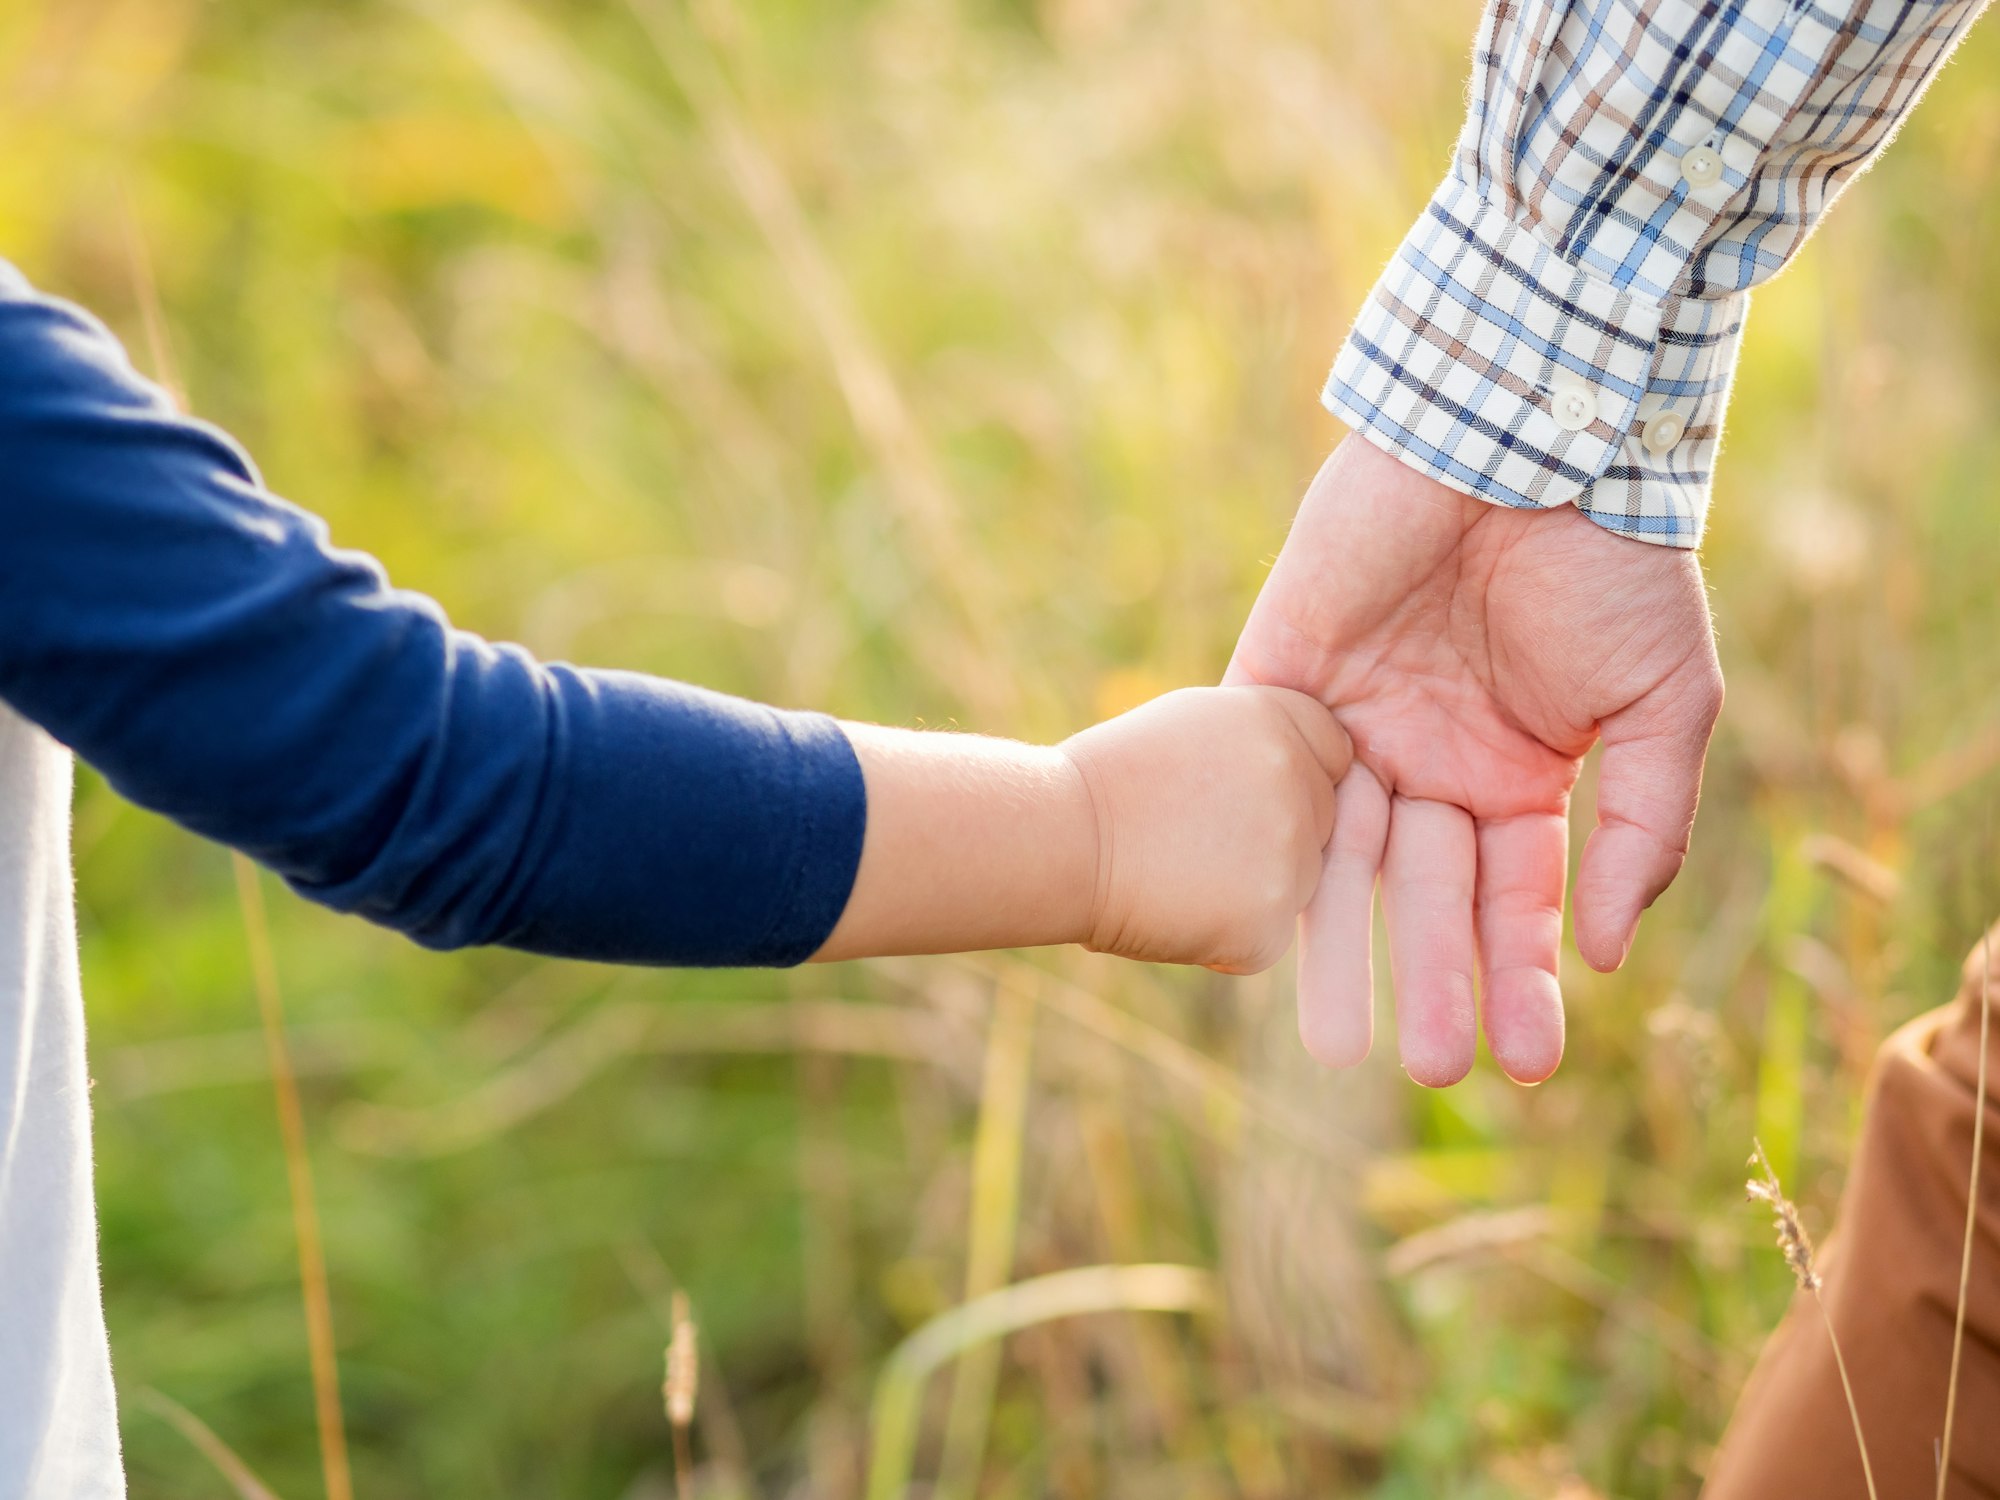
(1045, 1299)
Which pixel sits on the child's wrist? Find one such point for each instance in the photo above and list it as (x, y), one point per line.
(1089, 817)
(971, 843)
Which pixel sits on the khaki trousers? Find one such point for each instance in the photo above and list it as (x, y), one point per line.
(1891, 1285)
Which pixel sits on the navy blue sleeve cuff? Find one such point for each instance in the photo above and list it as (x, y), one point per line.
(689, 828)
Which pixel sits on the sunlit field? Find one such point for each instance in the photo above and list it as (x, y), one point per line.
(955, 363)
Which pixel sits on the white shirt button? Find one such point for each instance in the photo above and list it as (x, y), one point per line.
(1663, 431)
(1702, 167)
(1573, 404)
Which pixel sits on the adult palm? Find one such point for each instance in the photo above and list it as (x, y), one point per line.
(1475, 654)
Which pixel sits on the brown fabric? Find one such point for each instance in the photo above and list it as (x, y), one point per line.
(1891, 1273)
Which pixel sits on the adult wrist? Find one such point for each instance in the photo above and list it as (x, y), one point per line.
(1493, 364)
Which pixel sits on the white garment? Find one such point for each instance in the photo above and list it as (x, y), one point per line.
(58, 1417)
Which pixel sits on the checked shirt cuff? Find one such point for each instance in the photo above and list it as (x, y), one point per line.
(1478, 334)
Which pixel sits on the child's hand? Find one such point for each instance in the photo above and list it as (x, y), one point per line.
(1187, 831)
(1214, 806)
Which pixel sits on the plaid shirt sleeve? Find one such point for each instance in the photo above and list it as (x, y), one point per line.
(1562, 323)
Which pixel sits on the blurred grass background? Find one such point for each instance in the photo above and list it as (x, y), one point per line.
(955, 362)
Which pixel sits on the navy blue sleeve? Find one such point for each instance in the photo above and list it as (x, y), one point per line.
(201, 644)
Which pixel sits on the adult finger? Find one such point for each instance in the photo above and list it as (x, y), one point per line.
(1522, 865)
(1336, 931)
(1649, 783)
(1427, 887)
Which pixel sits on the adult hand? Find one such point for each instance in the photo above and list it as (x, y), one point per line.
(1474, 654)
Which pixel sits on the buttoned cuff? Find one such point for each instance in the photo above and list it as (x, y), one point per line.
(1510, 374)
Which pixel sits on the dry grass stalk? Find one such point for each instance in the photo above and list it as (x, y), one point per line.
(683, 1378)
(617, 1030)
(1798, 1248)
(246, 1485)
(1971, 1210)
(270, 1005)
(1859, 870)
(146, 290)
(722, 1440)
(992, 1222)
(880, 410)
(298, 1171)
(1470, 1236)
(1792, 1236)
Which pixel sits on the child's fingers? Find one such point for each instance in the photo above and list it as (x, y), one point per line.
(1336, 930)
(1332, 753)
(1427, 886)
(1522, 864)
(1319, 729)
(1320, 802)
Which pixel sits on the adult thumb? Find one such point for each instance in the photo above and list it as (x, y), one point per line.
(1649, 784)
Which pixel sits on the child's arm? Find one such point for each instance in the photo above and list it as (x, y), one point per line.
(1187, 831)
(201, 643)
